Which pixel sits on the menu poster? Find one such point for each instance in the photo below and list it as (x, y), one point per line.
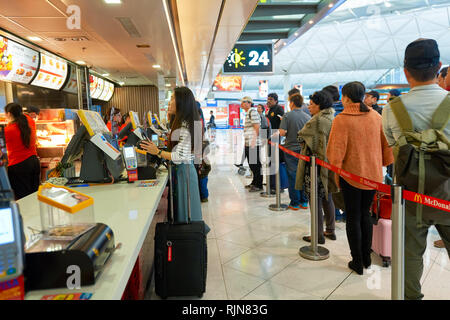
(98, 91)
(93, 81)
(72, 85)
(52, 72)
(105, 90)
(110, 92)
(17, 62)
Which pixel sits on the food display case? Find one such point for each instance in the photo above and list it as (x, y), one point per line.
(53, 132)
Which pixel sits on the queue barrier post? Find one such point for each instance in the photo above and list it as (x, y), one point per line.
(267, 193)
(398, 244)
(314, 252)
(278, 206)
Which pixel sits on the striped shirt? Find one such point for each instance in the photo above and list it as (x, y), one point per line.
(252, 117)
(182, 152)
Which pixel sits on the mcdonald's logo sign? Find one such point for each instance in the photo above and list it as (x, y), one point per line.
(418, 198)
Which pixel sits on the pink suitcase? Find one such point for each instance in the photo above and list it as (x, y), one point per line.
(382, 240)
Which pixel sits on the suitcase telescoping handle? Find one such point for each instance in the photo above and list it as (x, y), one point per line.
(188, 192)
(169, 167)
(171, 194)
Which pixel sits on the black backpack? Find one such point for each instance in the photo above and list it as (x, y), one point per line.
(422, 160)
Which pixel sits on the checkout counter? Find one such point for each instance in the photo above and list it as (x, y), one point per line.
(130, 211)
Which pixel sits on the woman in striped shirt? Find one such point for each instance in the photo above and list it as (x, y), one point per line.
(185, 146)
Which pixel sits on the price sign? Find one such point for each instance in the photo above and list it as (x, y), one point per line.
(250, 58)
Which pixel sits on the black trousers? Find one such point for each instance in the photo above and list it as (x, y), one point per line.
(359, 225)
(25, 177)
(254, 161)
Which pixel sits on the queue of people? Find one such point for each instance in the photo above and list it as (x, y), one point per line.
(357, 135)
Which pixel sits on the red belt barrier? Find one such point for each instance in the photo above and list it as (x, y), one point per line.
(384, 188)
(440, 204)
(294, 154)
(427, 200)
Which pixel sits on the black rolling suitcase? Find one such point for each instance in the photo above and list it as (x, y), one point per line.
(180, 255)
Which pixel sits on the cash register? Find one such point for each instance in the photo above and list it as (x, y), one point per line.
(101, 162)
(146, 164)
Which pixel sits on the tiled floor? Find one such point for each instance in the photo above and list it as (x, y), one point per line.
(253, 252)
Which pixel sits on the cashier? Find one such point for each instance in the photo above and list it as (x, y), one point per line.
(33, 112)
(125, 120)
(23, 164)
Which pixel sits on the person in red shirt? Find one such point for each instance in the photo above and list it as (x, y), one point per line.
(125, 120)
(116, 118)
(24, 168)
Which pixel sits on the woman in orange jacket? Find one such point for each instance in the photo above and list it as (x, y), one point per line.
(358, 145)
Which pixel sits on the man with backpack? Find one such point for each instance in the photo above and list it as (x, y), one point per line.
(417, 125)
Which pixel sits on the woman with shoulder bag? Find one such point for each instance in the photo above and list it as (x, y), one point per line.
(184, 117)
(314, 137)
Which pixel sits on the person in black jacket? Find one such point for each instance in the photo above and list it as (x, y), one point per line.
(371, 100)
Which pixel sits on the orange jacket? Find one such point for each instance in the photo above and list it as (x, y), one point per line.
(358, 145)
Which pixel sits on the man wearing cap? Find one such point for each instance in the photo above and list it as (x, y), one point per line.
(394, 93)
(252, 143)
(371, 100)
(421, 65)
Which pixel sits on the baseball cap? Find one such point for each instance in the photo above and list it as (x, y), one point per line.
(395, 92)
(374, 94)
(247, 99)
(422, 54)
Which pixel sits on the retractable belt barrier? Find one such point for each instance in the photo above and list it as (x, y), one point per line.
(440, 204)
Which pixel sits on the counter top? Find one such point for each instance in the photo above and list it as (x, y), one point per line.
(128, 210)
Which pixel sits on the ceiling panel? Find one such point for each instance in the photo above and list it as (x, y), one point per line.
(110, 48)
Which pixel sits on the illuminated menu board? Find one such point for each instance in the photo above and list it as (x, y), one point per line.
(110, 92)
(106, 89)
(17, 62)
(52, 72)
(96, 86)
(100, 89)
(71, 85)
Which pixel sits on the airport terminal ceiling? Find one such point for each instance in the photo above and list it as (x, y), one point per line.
(362, 39)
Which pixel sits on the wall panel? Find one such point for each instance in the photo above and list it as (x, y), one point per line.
(134, 98)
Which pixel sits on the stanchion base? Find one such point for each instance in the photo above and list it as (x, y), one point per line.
(282, 207)
(321, 254)
(267, 195)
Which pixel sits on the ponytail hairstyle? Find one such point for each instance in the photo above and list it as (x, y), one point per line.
(356, 91)
(25, 131)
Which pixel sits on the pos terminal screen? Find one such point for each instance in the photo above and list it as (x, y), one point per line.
(128, 152)
(6, 226)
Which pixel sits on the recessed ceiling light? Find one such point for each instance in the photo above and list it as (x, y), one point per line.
(296, 34)
(32, 38)
(121, 83)
(113, 1)
(156, 66)
(330, 5)
(80, 62)
(311, 21)
(167, 84)
(105, 74)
